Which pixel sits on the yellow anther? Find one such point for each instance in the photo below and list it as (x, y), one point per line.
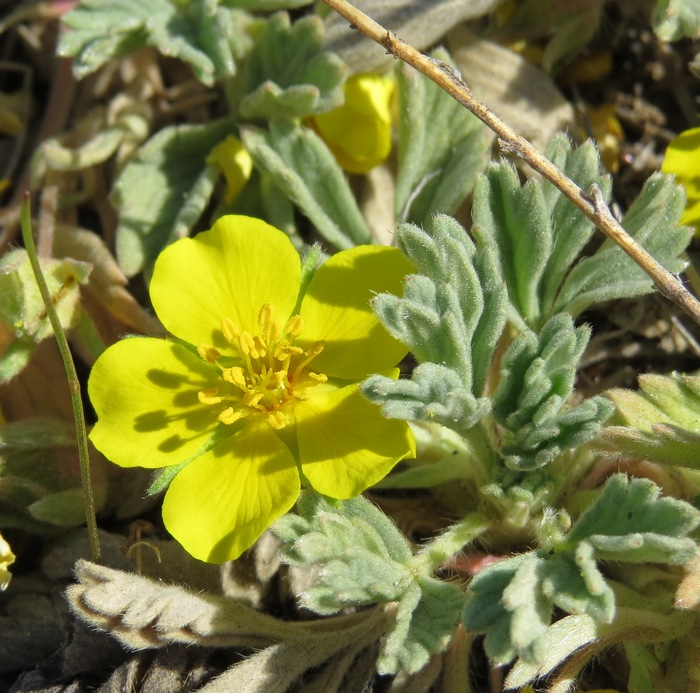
(208, 353)
(252, 399)
(210, 396)
(235, 376)
(317, 377)
(230, 330)
(294, 327)
(277, 420)
(247, 344)
(231, 415)
(260, 347)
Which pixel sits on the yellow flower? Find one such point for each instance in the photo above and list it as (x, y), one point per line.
(7, 558)
(683, 160)
(234, 162)
(260, 391)
(359, 132)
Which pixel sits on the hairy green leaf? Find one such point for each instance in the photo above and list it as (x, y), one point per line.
(198, 32)
(676, 19)
(610, 273)
(661, 423)
(451, 316)
(512, 601)
(304, 169)
(536, 235)
(537, 378)
(290, 75)
(360, 558)
(163, 190)
(441, 148)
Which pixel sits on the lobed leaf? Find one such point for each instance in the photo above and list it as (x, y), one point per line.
(360, 558)
(536, 380)
(512, 601)
(198, 32)
(451, 316)
(659, 423)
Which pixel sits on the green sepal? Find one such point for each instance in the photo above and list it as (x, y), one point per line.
(290, 75)
(163, 190)
(358, 557)
(537, 378)
(659, 423)
(441, 148)
(198, 32)
(303, 168)
(451, 316)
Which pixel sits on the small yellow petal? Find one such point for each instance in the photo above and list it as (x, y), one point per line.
(359, 132)
(233, 160)
(7, 558)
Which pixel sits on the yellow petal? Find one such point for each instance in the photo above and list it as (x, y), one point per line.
(345, 443)
(359, 132)
(336, 309)
(7, 558)
(233, 160)
(682, 159)
(227, 272)
(220, 503)
(145, 394)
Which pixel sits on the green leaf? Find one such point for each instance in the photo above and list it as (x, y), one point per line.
(163, 190)
(266, 5)
(660, 423)
(537, 378)
(451, 316)
(426, 618)
(512, 601)
(198, 32)
(304, 169)
(290, 75)
(358, 557)
(676, 19)
(630, 522)
(441, 148)
(610, 273)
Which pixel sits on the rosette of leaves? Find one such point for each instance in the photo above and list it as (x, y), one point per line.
(537, 236)
(513, 600)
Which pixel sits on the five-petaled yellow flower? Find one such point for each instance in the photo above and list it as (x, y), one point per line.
(260, 389)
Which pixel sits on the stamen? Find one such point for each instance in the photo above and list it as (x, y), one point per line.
(208, 353)
(230, 330)
(294, 327)
(277, 420)
(210, 396)
(231, 415)
(247, 344)
(235, 376)
(311, 353)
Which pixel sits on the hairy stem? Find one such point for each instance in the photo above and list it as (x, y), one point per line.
(73, 382)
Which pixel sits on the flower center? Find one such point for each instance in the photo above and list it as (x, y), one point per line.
(272, 371)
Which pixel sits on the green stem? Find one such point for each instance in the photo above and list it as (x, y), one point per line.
(450, 542)
(72, 376)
